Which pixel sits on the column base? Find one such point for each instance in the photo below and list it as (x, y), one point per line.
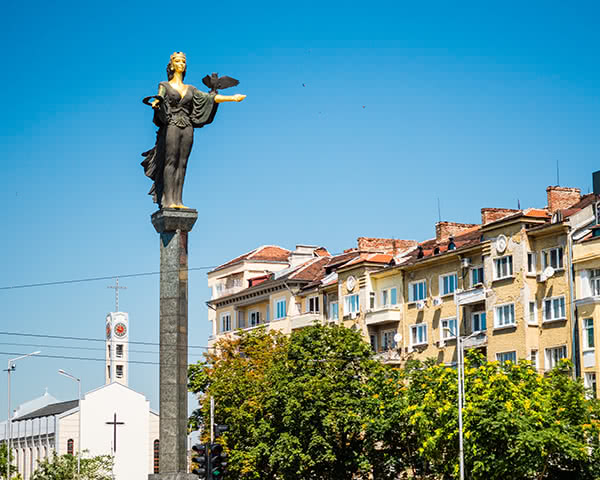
(172, 476)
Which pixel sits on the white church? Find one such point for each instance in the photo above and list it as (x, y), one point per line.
(114, 418)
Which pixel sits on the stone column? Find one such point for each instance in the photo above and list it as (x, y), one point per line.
(173, 226)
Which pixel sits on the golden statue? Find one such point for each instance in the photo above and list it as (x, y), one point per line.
(178, 109)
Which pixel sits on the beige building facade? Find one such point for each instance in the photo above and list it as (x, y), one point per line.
(518, 285)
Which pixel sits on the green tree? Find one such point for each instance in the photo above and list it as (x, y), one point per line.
(294, 405)
(64, 467)
(3, 455)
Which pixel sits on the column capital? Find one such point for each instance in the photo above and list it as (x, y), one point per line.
(168, 220)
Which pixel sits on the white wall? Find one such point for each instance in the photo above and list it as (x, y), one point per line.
(99, 407)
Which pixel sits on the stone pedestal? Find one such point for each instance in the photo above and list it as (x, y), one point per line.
(173, 225)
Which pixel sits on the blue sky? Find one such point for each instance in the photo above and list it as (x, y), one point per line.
(357, 119)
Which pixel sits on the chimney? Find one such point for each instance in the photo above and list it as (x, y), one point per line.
(560, 198)
(384, 245)
(302, 254)
(444, 230)
(489, 215)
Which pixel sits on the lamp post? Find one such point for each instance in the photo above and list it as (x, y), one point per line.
(78, 380)
(11, 367)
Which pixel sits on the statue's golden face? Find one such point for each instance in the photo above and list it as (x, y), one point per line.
(178, 64)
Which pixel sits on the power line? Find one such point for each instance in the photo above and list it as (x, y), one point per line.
(45, 345)
(96, 279)
(65, 357)
(86, 339)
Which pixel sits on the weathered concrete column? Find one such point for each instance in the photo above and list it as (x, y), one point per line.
(173, 225)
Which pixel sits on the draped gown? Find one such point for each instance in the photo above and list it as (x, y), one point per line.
(176, 117)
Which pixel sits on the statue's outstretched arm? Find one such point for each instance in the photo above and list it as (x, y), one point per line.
(229, 98)
(161, 92)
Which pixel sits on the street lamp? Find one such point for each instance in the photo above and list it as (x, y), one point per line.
(11, 367)
(78, 380)
(460, 353)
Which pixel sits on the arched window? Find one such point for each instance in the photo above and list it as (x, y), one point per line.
(70, 446)
(156, 455)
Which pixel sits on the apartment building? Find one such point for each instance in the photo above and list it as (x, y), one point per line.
(505, 285)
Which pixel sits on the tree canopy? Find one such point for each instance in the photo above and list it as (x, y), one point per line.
(64, 467)
(317, 405)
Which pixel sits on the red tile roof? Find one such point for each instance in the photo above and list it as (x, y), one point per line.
(270, 253)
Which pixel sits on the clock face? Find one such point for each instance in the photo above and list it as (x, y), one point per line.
(108, 330)
(120, 329)
(350, 283)
(501, 244)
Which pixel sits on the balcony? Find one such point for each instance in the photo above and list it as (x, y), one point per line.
(383, 315)
(304, 320)
(468, 297)
(388, 356)
(476, 341)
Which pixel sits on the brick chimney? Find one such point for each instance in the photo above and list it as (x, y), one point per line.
(560, 198)
(443, 230)
(489, 215)
(384, 245)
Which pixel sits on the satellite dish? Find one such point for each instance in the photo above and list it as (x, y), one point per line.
(548, 272)
(397, 338)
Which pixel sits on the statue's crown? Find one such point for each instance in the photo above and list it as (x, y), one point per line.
(177, 54)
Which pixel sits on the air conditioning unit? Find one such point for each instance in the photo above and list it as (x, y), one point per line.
(420, 305)
(353, 315)
(437, 301)
(465, 263)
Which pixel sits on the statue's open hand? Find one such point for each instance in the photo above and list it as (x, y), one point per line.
(238, 97)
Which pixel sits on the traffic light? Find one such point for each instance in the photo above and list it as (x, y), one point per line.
(220, 430)
(218, 463)
(200, 465)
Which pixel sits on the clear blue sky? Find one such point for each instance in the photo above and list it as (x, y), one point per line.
(357, 120)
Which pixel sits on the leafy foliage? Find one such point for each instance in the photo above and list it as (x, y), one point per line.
(316, 405)
(64, 467)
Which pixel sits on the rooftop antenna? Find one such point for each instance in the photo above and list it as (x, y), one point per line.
(518, 204)
(439, 211)
(117, 287)
(557, 175)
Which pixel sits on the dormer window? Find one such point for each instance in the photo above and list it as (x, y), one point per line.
(451, 244)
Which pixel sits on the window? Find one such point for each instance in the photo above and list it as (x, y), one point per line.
(595, 282)
(280, 309)
(254, 318)
(476, 275)
(389, 297)
(119, 373)
(553, 258)
(554, 309)
(119, 350)
(268, 314)
(108, 372)
(588, 334)
(417, 291)
(372, 300)
(447, 284)
(504, 315)
(503, 267)
(351, 304)
(156, 455)
(312, 304)
(533, 358)
(531, 263)
(448, 328)
(590, 383)
(478, 322)
(387, 340)
(553, 356)
(225, 322)
(333, 311)
(532, 314)
(507, 357)
(70, 443)
(373, 339)
(418, 334)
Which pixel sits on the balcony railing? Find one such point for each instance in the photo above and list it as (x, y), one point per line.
(383, 315)
(305, 320)
(476, 341)
(389, 356)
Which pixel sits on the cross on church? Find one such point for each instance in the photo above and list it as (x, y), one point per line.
(117, 288)
(114, 423)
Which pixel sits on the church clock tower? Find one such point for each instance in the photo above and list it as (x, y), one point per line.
(117, 343)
